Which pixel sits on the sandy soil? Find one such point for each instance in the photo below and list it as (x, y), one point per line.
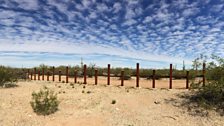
(134, 107)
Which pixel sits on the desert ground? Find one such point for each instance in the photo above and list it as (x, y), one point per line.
(91, 105)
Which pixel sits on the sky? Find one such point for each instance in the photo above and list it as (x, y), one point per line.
(153, 33)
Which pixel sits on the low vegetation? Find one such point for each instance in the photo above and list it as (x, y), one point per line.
(44, 102)
(7, 77)
(211, 96)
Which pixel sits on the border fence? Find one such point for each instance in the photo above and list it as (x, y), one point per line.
(32, 75)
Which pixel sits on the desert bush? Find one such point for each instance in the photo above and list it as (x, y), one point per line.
(6, 77)
(44, 102)
(212, 94)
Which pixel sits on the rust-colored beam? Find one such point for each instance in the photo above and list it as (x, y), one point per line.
(187, 80)
(42, 73)
(53, 73)
(28, 72)
(153, 78)
(96, 74)
(137, 75)
(59, 76)
(203, 73)
(48, 73)
(67, 74)
(171, 75)
(35, 72)
(84, 73)
(122, 78)
(75, 76)
(108, 74)
(38, 74)
(31, 74)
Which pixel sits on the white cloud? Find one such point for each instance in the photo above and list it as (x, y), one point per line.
(148, 19)
(93, 15)
(102, 7)
(66, 47)
(217, 8)
(190, 11)
(28, 4)
(117, 7)
(130, 22)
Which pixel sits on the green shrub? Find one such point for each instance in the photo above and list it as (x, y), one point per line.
(44, 102)
(6, 77)
(212, 94)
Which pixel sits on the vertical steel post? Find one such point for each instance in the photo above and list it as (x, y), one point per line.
(187, 80)
(137, 75)
(108, 74)
(53, 73)
(171, 75)
(85, 82)
(96, 74)
(67, 74)
(204, 65)
(122, 78)
(153, 78)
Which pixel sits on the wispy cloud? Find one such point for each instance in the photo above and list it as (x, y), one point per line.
(137, 30)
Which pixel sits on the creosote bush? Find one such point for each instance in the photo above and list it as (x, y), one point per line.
(211, 96)
(7, 78)
(44, 102)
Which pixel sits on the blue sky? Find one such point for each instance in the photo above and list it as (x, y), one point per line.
(154, 33)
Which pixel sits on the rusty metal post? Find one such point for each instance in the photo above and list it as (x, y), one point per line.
(35, 71)
(75, 76)
(31, 74)
(187, 80)
(171, 75)
(48, 75)
(96, 73)
(153, 78)
(59, 76)
(53, 73)
(203, 73)
(122, 78)
(84, 73)
(137, 75)
(108, 74)
(67, 74)
(38, 74)
(42, 73)
(28, 72)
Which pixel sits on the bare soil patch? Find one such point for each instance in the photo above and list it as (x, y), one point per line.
(92, 105)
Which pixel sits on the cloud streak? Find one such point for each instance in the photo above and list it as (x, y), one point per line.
(137, 30)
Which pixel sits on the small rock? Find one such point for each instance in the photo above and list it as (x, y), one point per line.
(157, 102)
(113, 102)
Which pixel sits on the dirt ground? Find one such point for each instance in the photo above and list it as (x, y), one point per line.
(91, 106)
